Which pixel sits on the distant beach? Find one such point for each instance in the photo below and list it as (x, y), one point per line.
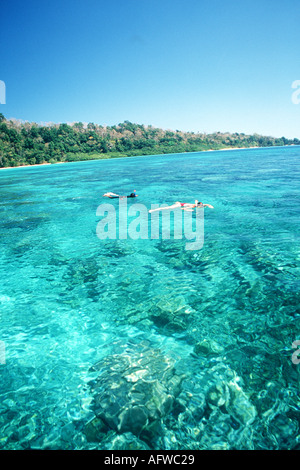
(26, 166)
(200, 151)
(46, 163)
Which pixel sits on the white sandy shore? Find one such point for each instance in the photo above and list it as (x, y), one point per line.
(26, 166)
(240, 148)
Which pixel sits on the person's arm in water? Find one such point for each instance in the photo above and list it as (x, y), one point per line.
(197, 205)
(200, 204)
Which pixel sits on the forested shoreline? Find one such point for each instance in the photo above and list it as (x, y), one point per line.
(29, 143)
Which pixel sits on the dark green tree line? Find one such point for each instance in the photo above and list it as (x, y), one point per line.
(30, 143)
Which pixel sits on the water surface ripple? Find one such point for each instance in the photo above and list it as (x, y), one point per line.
(138, 344)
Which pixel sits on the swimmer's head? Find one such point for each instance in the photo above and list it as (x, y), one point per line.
(199, 203)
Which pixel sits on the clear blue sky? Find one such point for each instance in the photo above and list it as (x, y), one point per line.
(192, 65)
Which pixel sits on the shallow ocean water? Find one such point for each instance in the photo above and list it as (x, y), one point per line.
(223, 317)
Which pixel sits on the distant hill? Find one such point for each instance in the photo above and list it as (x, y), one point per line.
(24, 143)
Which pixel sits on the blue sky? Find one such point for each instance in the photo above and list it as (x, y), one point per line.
(192, 65)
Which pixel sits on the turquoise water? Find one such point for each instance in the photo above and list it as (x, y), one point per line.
(223, 317)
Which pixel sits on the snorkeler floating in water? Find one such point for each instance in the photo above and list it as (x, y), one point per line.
(184, 206)
(116, 196)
